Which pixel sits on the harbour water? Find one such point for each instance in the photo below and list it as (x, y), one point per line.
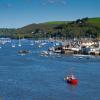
(37, 77)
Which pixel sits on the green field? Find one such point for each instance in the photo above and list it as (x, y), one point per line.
(57, 22)
(95, 21)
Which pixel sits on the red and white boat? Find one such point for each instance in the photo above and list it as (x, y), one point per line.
(71, 80)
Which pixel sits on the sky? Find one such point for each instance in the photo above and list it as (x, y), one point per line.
(18, 13)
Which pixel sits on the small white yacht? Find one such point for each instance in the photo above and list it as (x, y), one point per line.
(32, 43)
(13, 46)
(19, 44)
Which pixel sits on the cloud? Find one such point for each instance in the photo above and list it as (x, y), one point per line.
(45, 2)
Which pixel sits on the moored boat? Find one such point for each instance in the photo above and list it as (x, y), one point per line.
(24, 52)
(71, 80)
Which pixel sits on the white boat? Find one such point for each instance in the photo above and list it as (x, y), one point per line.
(43, 43)
(32, 43)
(19, 44)
(13, 46)
(5, 40)
(80, 55)
(40, 46)
(51, 49)
(44, 53)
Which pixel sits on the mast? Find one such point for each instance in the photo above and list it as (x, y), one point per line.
(19, 44)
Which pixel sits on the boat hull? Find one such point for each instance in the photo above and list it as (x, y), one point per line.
(72, 81)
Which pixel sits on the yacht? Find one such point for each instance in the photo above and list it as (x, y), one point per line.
(19, 44)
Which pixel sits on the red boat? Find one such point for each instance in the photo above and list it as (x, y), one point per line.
(71, 80)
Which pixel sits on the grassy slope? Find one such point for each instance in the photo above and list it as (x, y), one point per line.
(90, 20)
(95, 21)
(57, 22)
(49, 25)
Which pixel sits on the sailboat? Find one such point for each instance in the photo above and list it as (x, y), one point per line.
(13, 44)
(19, 44)
(32, 43)
(40, 46)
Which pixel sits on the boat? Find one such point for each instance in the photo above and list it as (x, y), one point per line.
(71, 80)
(13, 46)
(19, 44)
(40, 46)
(44, 53)
(32, 43)
(24, 52)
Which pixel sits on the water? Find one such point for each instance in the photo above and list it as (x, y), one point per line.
(36, 77)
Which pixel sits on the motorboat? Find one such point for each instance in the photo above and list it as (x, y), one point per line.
(44, 53)
(71, 79)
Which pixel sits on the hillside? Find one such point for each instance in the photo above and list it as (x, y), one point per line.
(56, 22)
(67, 29)
(95, 21)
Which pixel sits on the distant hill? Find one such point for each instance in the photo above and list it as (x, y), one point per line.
(68, 29)
(43, 27)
